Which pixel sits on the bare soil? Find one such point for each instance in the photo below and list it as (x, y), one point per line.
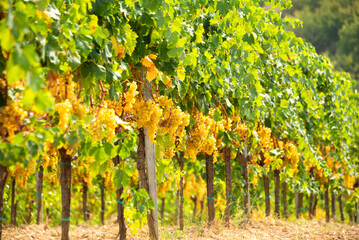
(255, 229)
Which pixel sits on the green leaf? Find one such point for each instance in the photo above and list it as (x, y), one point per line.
(217, 116)
(226, 139)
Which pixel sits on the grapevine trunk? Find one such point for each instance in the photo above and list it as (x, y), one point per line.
(13, 203)
(284, 193)
(246, 198)
(84, 201)
(277, 193)
(227, 159)
(341, 208)
(39, 186)
(103, 201)
(334, 209)
(326, 204)
(267, 193)
(120, 214)
(3, 176)
(181, 199)
(210, 188)
(65, 180)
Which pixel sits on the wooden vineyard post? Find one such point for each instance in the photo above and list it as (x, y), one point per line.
(3, 176)
(39, 187)
(65, 181)
(150, 157)
(141, 167)
(210, 188)
(227, 159)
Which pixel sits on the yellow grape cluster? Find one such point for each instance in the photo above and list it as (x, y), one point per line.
(349, 180)
(194, 187)
(264, 134)
(198, 132)
(169, 153)
(62, 87)
(50, 156)
(134, 179)
(2, 86)
(67, 103)
(267, 159)
(148, 115)
(125, 103)
(174, 122)
(16, 84)
(21, 173)
(11, 117)
(198, 188)
(68, 107)
(164, 187)
(108, 183)
(318, 174)
(292, 155)
(64, 110)
(130, 97)
(50, 161)
(210, 143)
(104, 125)
(81, 172)
(78, 107)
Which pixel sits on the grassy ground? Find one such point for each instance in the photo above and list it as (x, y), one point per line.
(255, 229)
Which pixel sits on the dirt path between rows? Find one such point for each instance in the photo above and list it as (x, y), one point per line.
(256, 229)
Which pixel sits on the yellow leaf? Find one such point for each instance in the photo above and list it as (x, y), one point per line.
(151, 73)
(147, 62)
(152, 56)
(119, 50)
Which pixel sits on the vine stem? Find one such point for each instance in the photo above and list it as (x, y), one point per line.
(224, 110)
(102, 98)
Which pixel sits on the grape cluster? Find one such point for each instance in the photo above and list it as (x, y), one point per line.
(64, 110)
(104, 125)
(264, 134)
(130, 97)
(148, 115)
(67, 103)
(292, 155)
(11, 117)
(198, 132)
